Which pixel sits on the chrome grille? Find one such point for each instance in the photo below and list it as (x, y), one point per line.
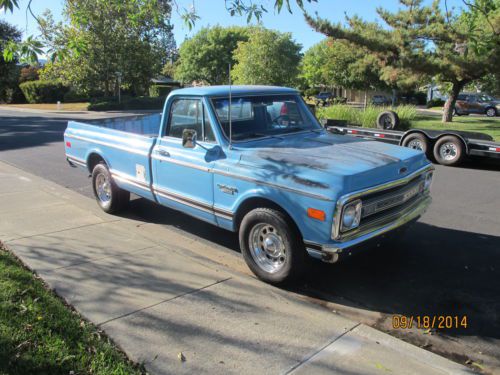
(383, 204)
(389, 200)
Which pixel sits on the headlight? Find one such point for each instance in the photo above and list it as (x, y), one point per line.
(428, 181)
(351, 215)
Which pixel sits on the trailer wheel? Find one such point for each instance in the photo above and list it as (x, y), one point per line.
(109, 196)
(388, 120)
(416, 141)
(449, 150)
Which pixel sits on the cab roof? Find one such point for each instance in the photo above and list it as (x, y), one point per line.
(235, 90)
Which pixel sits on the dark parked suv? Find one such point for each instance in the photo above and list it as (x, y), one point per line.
(468, 103)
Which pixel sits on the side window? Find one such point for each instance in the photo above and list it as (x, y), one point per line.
(208, 133)
(462, 97)
(185, 114)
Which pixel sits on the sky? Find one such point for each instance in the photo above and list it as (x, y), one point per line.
(213, 12)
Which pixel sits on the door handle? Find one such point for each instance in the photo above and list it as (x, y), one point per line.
(164, 153)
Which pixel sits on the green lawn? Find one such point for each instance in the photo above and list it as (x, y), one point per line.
(482, 124)
(39, 334)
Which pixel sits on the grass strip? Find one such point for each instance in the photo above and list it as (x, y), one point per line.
(40, 334)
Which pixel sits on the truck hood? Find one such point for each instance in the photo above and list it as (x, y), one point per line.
(323, 161)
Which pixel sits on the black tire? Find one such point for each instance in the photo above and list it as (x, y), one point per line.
(295, 255)
(449, 150)
(118, 198)
(416, 141)
(456, 113)
(491, 112)
(388, 120)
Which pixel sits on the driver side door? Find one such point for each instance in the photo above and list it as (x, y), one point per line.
(183, 175)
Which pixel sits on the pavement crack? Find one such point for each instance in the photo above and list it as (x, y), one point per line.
(164, 301)
(62, 230)
(316, 352)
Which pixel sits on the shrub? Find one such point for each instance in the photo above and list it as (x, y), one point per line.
(159, 90)
(435, 103)
(141, 102)
(43, 91)
(368, 117)
(75, 97)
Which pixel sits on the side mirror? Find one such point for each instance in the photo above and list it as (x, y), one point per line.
(189, 138)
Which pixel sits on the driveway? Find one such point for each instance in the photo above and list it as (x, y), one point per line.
(448, 263)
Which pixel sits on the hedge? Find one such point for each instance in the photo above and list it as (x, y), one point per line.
(159, 90)
(141, 102)
(43, 91)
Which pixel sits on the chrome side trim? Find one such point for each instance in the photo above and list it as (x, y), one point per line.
(336, 235)
(270, 184)
(77, 161)
(112, 145)
(122, 177)
(180, 162)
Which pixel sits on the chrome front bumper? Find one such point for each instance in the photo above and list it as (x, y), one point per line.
(331, 252)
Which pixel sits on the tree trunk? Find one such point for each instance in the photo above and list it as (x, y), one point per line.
(365, 104)
(450, 102)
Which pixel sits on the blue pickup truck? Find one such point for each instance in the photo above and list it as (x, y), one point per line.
(255, 160)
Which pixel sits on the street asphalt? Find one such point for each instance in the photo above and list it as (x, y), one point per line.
(448, 263)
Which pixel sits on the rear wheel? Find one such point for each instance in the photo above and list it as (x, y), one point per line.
(108, 195)
(491, 112)
(271, 246)
(449, 150)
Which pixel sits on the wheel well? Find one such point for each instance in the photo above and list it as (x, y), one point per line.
(93, 160)
(257, 202)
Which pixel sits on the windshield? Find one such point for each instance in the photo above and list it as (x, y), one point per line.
(262, 116)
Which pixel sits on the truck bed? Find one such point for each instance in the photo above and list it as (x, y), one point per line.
(147, 125)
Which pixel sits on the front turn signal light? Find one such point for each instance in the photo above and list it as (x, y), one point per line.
(316, 214)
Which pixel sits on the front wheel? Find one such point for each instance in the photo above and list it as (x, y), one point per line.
(416, 141)
(108, 195)
(271, 246)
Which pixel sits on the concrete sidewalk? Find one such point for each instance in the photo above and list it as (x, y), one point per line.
(155, 294)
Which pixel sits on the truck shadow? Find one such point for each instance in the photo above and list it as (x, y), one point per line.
(430, 271)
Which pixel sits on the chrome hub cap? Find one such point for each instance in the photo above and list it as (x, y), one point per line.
(267, 248)
(448, 151)
(416, 144)
(490, 112)
(103, 188)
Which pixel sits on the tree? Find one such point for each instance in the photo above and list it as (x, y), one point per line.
(268, 58)
(247, 8)
(425, 40)
(339, 63)
(105, 39)
(8, 70)
(206, 56)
